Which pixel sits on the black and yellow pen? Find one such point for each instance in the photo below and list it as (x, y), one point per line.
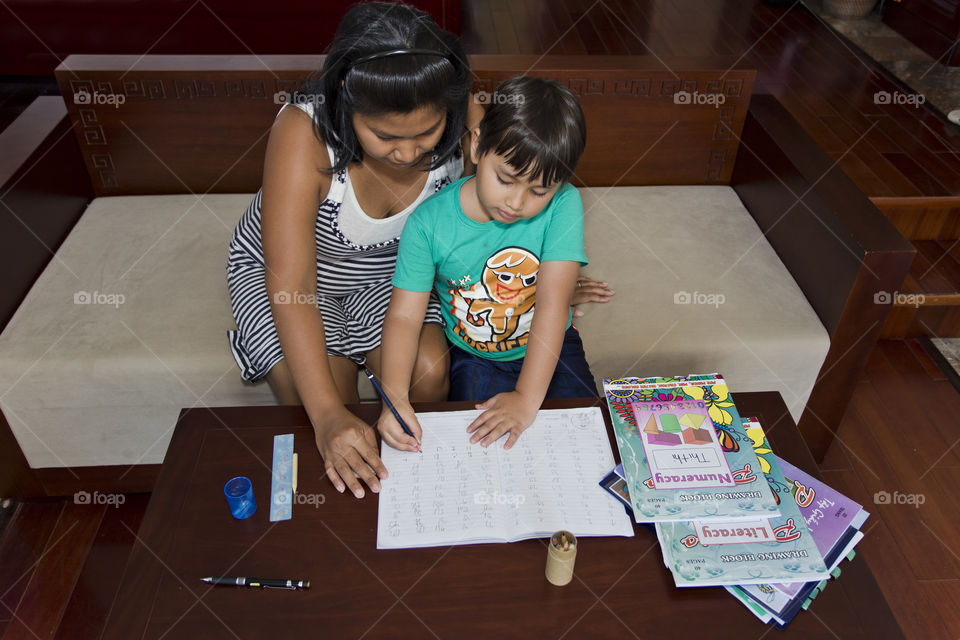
(258, 582)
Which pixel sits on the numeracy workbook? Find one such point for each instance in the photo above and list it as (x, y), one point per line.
(684, 450)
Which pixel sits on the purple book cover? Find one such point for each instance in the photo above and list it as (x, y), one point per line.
(828, 513)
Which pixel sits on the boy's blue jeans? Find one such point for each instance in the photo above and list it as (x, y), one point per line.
(479, 379)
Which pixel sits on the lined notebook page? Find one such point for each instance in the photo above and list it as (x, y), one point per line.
(461, 493)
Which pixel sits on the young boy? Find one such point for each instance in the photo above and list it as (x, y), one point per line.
(497, 246)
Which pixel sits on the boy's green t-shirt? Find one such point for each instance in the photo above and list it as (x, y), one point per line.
(485, 273)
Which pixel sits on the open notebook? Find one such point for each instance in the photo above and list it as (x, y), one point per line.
(461, 493)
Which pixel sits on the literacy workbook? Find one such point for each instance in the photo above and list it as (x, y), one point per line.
(685, 453)
(702, 553)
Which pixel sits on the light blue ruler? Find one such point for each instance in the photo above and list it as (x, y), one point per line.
(281, 489)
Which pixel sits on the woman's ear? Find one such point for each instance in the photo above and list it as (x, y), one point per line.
(474, 145)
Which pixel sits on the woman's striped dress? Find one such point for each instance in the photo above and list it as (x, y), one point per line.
(356, 256)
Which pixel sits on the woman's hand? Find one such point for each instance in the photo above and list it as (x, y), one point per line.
(393, 434)
(348, 445)
(509, 412)
(589, 290)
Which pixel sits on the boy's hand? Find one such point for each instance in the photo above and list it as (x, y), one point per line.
(393, 434)
(505, 412)
(589, 290)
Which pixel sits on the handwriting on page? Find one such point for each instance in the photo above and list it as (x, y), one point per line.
(458, 493)
(430, 493)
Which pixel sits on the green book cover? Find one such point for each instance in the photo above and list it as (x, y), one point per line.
(684, 450)
(791, 556)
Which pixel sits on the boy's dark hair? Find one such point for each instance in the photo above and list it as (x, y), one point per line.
(355, 79)
(537, 125)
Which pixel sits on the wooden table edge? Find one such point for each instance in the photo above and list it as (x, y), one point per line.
(144, 568)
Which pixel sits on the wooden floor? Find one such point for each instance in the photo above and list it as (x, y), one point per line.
(899, 438)
(60, 561)
(906, 159)
(826, 84)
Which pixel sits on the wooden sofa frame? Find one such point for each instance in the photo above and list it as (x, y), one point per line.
(199, 124)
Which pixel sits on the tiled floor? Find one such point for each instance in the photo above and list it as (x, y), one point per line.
(937, 83)
(949, 348)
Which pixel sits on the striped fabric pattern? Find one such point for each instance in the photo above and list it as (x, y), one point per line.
(353, 283)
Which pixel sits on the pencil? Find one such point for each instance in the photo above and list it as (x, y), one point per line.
(293, 484)
(386, 400)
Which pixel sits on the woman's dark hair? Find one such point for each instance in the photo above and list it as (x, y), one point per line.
(355, 79)
(537, 125)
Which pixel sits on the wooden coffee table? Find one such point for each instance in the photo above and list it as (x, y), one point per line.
(621, 587)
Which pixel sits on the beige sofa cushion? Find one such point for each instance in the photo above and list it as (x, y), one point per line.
(127, 324)
(660, 247)
(102, 382)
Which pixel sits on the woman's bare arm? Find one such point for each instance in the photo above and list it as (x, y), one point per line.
(293, 186)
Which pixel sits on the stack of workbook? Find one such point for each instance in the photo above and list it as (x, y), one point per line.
(726, 510)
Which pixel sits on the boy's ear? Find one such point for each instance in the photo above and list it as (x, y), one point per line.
(474, 144)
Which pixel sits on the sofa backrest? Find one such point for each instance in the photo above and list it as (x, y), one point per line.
(198, 124)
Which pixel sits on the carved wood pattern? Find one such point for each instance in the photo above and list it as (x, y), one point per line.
(716, 162)
(246, 88)
(91, 134)
(624, 107)
(190, 89)
(636, 87)
(724, 125)
(586, 87)
(105, 171)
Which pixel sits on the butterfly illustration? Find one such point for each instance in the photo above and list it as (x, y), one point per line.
(775, 488)
(727, 441)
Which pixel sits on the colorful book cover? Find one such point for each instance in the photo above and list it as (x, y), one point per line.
(792, 557)
(827, 513)
(615, 483)
(680, 446)
(751, 605)
(685, 453)
(784, 607)
(766, 602)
